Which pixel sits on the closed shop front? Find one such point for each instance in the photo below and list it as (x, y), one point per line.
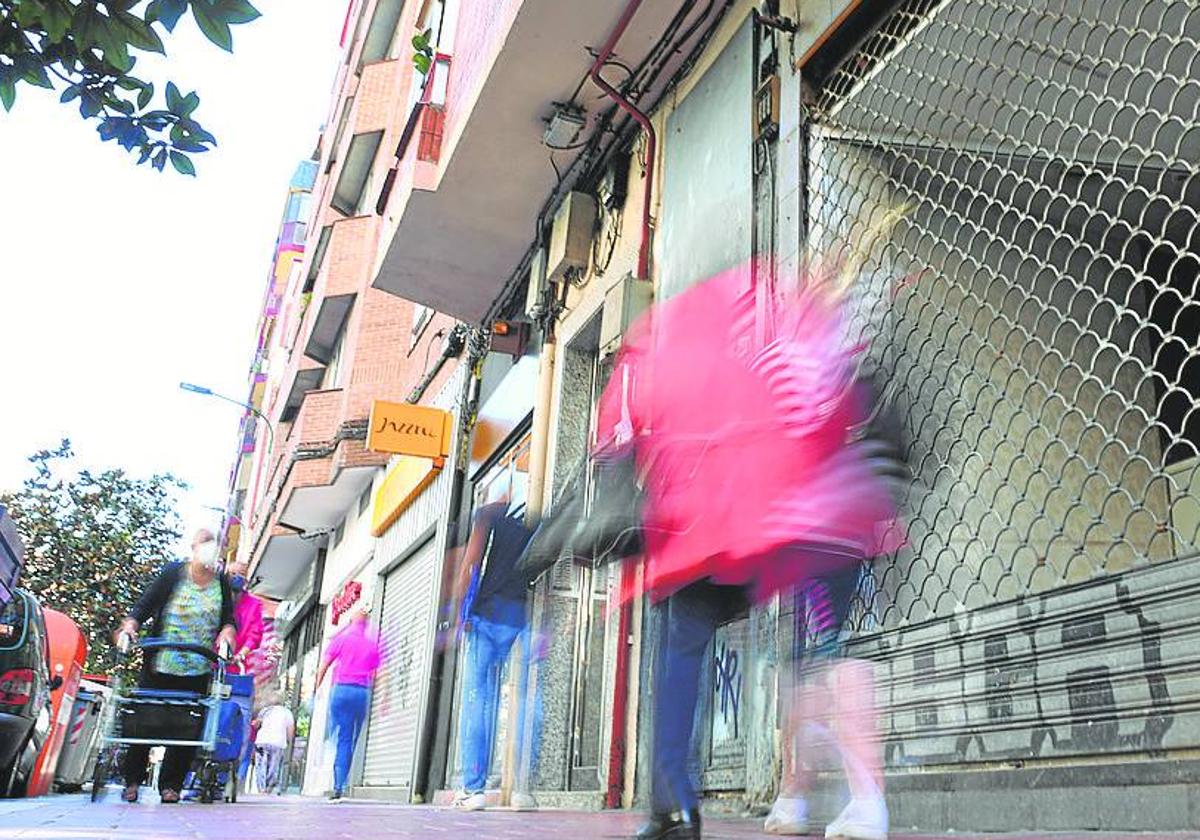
(1034, 314)
(406, 622)
(409, 518)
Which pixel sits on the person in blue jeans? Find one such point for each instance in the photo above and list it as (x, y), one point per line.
(354, 655)
(493, 618)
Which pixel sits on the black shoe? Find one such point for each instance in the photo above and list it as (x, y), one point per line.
(681, 826)
(335, 796)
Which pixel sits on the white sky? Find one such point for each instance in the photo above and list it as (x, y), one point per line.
(117, 282)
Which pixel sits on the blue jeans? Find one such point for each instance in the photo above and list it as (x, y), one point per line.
(488, 646)
(347, 712)
(692, 617)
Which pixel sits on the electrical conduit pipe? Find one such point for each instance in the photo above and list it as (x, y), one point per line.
(620, 709)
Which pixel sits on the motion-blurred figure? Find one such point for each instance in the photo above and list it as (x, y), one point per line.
(740, 410)
(492, 592)
(355, 655)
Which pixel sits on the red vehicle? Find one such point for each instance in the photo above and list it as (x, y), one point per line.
(68, 652)
(26, 684)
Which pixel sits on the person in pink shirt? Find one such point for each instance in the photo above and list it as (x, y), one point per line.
(354, 655)
(248, 614)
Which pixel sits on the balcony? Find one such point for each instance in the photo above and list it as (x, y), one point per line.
(322, 471)
(347, 265)
(455, 246)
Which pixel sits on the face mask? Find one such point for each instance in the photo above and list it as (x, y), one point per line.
(207, 554)
(237, 582)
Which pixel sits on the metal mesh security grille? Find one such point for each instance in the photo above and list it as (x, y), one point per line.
(1035, 310)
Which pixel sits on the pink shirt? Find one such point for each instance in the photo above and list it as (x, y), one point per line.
(248, 615)
(354, 654)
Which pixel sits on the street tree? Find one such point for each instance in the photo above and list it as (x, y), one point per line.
(88, 49)
(93, 540)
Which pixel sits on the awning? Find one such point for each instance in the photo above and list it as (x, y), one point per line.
(285, 559)
(320, 506)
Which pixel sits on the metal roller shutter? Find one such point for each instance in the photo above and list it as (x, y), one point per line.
(406, 622)
(1034, 314)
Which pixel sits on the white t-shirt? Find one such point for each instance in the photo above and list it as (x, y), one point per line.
(274, 723)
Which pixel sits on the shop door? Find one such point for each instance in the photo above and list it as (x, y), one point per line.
(405, 625)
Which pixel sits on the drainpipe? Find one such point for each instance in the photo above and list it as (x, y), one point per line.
(539, 448)
(641, 119)
(620, 707)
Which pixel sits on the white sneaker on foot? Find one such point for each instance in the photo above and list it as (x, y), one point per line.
(862, 819)
(523, 801)
(470, 801)
(789, 815)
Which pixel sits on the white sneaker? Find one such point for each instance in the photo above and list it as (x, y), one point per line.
(524, 802)
(470, 801)
(862, 819)
(789, 815)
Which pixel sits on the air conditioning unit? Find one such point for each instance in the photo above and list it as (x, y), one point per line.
(623, 303)
(571, 236)
(537, 284)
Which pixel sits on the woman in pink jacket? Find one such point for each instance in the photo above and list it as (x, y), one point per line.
(248, 615)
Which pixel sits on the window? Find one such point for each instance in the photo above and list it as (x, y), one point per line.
(333, 370)
(364, 501)
(343, 121)
(338, 534)
(318, 257)
(356, 171)
(382, 32)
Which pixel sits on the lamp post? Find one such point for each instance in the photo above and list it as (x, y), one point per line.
(209, 392)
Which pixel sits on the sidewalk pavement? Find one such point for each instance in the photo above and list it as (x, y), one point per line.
(285, 818)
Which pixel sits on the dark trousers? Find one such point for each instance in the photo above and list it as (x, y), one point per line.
(178, 760)
(692, 617)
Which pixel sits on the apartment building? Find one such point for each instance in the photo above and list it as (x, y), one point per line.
(551, 168)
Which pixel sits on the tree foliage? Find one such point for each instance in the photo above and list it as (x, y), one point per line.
(87, 47)
(93, 541)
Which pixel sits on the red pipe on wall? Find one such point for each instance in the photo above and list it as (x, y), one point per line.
(616, 753)
(641, 119)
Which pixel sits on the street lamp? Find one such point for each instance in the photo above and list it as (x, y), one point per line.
(209, 392)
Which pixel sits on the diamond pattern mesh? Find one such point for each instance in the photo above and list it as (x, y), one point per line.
(1034, 312)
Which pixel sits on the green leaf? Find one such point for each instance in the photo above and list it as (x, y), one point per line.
(166, 12)
(37, 76)
(236, 11)
(69, 94)
(138, 32)
(145, 95)
(8, 92)
(214, 28)
(190, 103)
(422, 63)
(56, 17)
(182, 163)
(174, 99)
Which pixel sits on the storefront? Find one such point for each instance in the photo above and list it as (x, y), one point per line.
(300, 623)
(410, 523)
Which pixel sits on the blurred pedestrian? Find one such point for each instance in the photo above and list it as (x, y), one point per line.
(187, 603)
(274, 732)
(354, 655)
(743, 494)
(493, 592)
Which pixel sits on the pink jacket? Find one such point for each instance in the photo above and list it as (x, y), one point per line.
(248, 614)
